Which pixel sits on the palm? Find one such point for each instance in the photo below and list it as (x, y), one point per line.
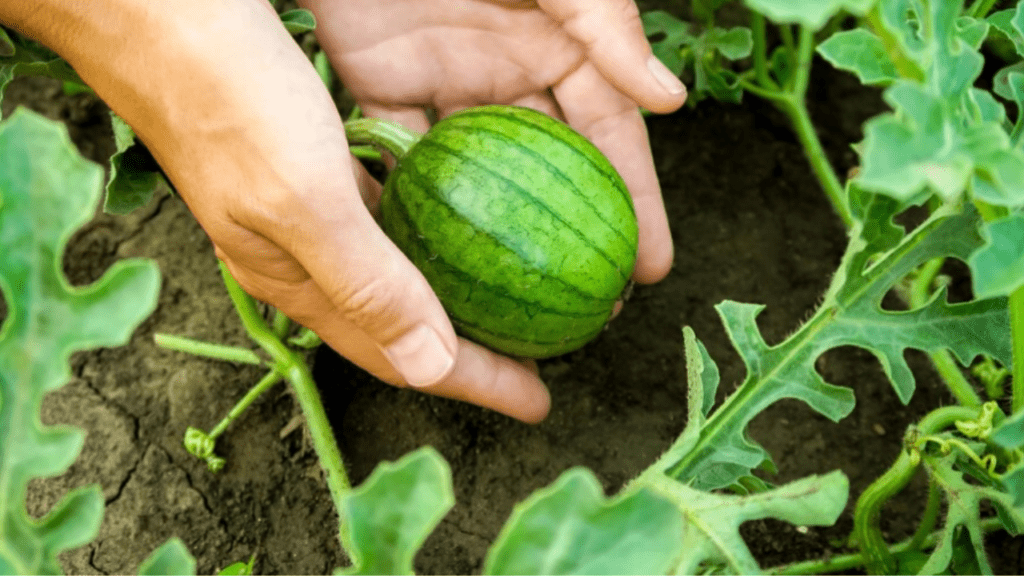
(446, 54)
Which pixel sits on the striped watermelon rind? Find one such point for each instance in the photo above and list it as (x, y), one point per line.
(521, 226)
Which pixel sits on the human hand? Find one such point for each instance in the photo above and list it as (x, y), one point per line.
(244, 128)
(583, 61)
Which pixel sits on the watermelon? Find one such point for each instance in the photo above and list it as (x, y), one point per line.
(521, 226)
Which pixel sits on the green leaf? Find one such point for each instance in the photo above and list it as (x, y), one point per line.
(711, 536)
(927, 145)
(862, 53)
(1011, 23)
(134, 175)
(47, 191)
(298, 21)
(734, 43)
(878, 257)
(674, 35)
(1010, 433)
(239, 568)
(964, 510)
(997, 268)
(570, 528)
(394, 510)
(7, 47)
(31, 59)
(812, 13)
(169, 559)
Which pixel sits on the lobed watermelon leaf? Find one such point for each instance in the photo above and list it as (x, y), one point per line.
(172, 557)
(47, 191)
(711, 538)
(997, 268)
(717, 452)
(134, 175)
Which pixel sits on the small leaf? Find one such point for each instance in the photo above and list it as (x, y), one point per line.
(997, 268)
(1008, 22)
(298, 21)
(674, 35)
(7, 47)
(169, 559)
(394, 510)
(134, 175)
(812, 13)
(862, 53)
(570, 528)
(239, 568)
(734, 43)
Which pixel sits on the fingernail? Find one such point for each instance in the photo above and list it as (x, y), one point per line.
(665, 77)
(420, 356)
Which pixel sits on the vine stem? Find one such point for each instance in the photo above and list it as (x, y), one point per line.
(293, 367)
(791, 100)
(207, 349)
(271, 378)
(845, 562)
(877, 557)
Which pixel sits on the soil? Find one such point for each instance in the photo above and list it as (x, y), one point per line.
(749, 223)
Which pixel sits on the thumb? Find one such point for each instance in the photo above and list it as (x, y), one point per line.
(613, 36)
(376, 288)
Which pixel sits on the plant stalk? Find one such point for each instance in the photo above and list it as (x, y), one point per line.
(268, 380)
(877, 557)
(208, 349)
(846, 562)
(290, 365)
(796, 109)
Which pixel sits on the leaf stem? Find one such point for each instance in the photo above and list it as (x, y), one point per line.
(281, 324)
(757, 27)
(208, 349)
(292, 366)
(796, 109)
(268, 380)
(928, 518)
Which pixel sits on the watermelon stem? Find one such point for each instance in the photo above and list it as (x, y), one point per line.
(383, 134)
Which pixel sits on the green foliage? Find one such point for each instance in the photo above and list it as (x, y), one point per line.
(964, 513)
(239, 568)
(998, 266)
(169, 559)
(862, 53)
(298, 21)
(703, 54)
(134, 175)
(811, 13)
(20, 56)
(393, 511)
(570, 528)
(716, 453)
(712, 541)
(47, 191)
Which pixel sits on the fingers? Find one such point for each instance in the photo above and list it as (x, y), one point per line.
(613, 123)
(613, 37)
(363, 275)
(478, 376)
